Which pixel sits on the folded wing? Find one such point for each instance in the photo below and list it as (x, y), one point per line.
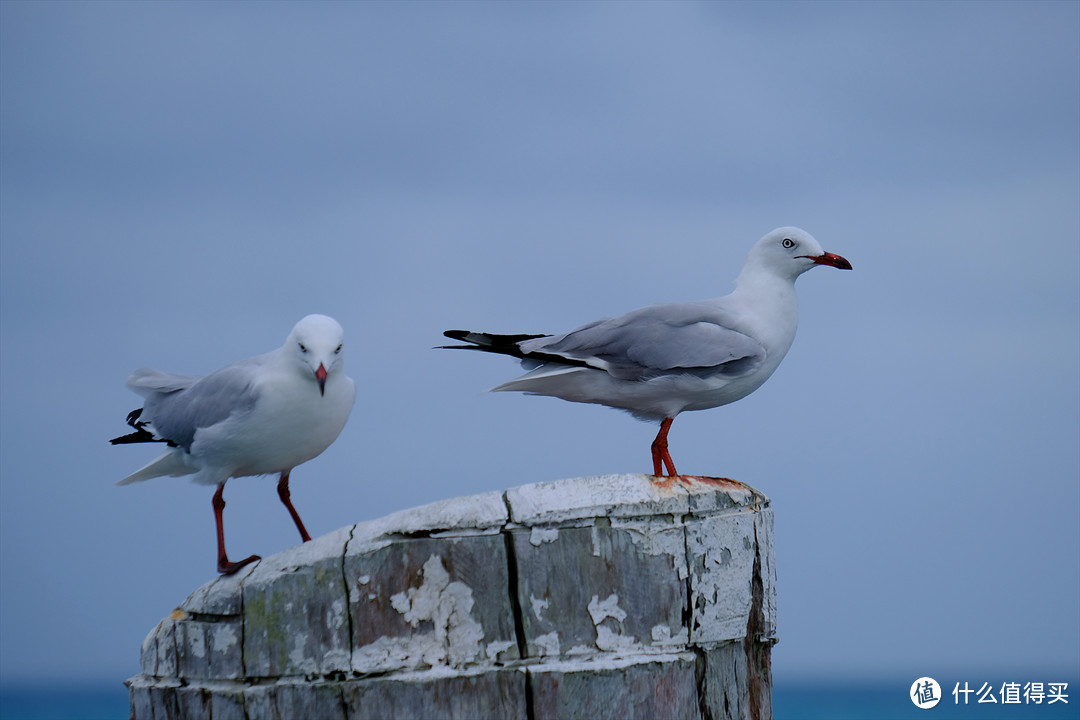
(654, 341)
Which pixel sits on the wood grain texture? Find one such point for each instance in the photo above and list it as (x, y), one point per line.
(620, 596)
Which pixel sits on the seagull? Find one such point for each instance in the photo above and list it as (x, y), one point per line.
(661, 360)
(266, 414)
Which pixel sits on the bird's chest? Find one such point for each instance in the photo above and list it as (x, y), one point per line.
(287, 426)
(302, 416)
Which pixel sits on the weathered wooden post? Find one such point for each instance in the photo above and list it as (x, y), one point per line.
(619, 596)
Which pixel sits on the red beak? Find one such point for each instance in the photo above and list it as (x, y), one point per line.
(830, 259)
(320, 375)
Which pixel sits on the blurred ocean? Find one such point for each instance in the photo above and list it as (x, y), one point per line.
(810, 702)
(890, 702)
(88, 702)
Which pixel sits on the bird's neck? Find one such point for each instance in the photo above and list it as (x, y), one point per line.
(753, 282)
(772, 303)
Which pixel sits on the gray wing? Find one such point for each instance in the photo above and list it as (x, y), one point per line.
(654, 341)
(175, 414)
(147, 382)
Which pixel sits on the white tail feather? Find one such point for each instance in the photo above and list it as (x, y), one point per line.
(170, 464)
(539, 378)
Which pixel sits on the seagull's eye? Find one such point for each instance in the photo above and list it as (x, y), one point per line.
(337, 349)
(302, 348)
(788, 243)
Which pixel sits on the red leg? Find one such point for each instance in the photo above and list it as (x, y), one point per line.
(223, 565)
(285, 495)
(660, 454)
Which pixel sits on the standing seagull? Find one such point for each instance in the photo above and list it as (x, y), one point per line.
(263, 415)
(660, 360)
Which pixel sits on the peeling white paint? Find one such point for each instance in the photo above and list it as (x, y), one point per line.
(335, 614)
(493, 649)
(467, 532)
(225, 637)
(661, 635)
(654, 536)
(602, 609)
(610, 641)
(541, 535)
(464, 634)
(708, 496)
(538, 605)
(561, 501)
(196, 644)
(388, 653)
(299, 657)
(468, 513)
(220, 596)
(722, 573)
(326, 547)
(548, 644)
(335, 660)
(600, 663)
(456, 636)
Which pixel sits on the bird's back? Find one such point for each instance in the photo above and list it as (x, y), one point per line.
(177, 414)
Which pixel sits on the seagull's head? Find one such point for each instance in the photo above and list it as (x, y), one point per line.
(789, 252)
(316, 343)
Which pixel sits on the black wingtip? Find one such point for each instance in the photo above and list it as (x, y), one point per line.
(489, 342)
(457, 335)
(139, 436)
(491, 339)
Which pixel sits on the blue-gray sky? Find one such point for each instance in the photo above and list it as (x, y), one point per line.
(181, 182)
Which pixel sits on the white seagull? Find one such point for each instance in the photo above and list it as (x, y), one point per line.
(263, 415)
(660, 360)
